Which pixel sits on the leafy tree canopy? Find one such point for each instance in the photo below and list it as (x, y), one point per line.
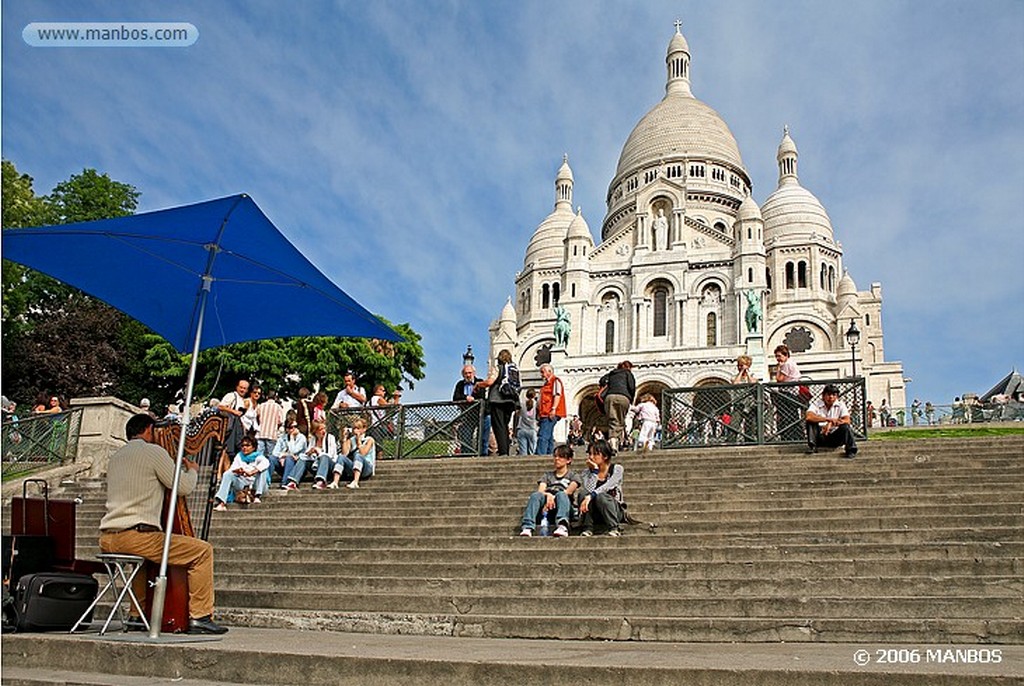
(58, 340)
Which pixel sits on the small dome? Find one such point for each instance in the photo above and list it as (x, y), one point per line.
(846, 286)
(546, 245)
(793, 209)
(748, 210)
(787, 146)
(678, 42)
(578, 228)
(508, 313)
(564, 172)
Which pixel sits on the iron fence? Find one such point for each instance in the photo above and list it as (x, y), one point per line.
(441, 429)
(39, 441)
(769, 413)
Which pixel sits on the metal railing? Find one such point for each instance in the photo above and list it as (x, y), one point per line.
(958, 413)
(39, 441)
(769, 413)
(442, 429)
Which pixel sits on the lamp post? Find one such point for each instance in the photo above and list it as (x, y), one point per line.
(468, 357)
(853, 338)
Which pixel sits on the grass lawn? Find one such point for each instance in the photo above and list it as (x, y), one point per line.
(959, 431)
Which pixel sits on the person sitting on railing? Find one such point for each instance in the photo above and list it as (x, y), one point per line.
(553, 497)
(358, 457)
(828, 424)
(289, 449)
(46, 405)
(244, 473)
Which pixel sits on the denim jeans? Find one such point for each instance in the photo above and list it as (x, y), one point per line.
(546, 435)
(485, 436)
(231, 482)
(535, 505)
(324, 466)
(297, 468)
(347, 467)
(527, 442)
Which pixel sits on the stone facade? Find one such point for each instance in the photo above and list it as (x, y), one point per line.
(690, 272)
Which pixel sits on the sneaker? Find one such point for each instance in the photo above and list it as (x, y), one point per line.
(318, 485)
(614, 533)
(352, 484)
(292, 486)
(561, 531)
(256, 500)
(332, 485)
(220, 507)
(586, 532)
(526, 532)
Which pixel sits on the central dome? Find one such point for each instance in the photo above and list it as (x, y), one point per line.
(678, 125)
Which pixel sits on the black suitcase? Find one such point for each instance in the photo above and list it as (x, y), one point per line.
(53, 601)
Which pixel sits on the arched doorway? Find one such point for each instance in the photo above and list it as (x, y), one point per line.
(589, 414)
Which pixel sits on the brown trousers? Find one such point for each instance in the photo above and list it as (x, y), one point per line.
(186, 551)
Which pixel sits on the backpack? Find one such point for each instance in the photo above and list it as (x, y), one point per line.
(510, 384)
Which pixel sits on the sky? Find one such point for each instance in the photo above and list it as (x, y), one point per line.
(409, 148)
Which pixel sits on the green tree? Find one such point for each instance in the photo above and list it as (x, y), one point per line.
(287, 364)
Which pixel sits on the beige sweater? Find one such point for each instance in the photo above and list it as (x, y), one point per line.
(137, 476)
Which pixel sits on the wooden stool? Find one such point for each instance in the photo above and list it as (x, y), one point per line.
(121, 571)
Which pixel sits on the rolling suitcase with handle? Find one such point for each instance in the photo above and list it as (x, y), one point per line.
(53, 601)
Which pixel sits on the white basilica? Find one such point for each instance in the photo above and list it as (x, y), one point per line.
(686, 265)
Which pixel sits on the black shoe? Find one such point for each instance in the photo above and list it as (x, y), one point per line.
(205, 625)
(850, 454)
(811, 450)
(135, 624)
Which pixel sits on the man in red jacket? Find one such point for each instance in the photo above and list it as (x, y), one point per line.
(550, 410)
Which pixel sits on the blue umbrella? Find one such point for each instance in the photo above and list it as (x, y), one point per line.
(172, 268)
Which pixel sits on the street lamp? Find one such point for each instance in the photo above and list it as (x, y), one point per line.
(853, 338)
(468, 357)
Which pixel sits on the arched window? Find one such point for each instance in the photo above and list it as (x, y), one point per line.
(768, 277)
(867, 319)
(609, 336)
(832, 279)
(801, 274)
(660, 311)
(824, 275)
(556, 295)
(545, 297)
(750, 275)
(712, 337)
(790, 274)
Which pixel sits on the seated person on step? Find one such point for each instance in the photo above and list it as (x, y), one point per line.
(603, 507)
(828, 423)
(290, 448)
(323, 447)
(358, 456)
(137, 476)
(553, 497)
(246, 471)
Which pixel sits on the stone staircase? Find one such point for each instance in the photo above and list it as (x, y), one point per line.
(913, 543)
(917, 541)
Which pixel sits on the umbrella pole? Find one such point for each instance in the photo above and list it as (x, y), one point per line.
(160, 586)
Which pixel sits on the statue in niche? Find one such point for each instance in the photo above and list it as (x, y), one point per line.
(753, 314)
(563, 327)
(660, 228)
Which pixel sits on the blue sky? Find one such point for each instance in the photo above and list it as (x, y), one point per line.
(410, 147)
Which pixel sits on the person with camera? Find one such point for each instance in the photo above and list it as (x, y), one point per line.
(358, 457)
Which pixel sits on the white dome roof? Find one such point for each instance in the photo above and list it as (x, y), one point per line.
(794, 209)
(579, 227)
(678, 125)
(748, 210)
(546, 247)
(846, 286)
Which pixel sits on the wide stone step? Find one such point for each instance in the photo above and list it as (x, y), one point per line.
(945, 570)
(594, 589)
(625, 631)
(375, 659)
(921, 607)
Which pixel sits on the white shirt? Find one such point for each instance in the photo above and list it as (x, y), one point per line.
(343, 399)
(837, 411)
